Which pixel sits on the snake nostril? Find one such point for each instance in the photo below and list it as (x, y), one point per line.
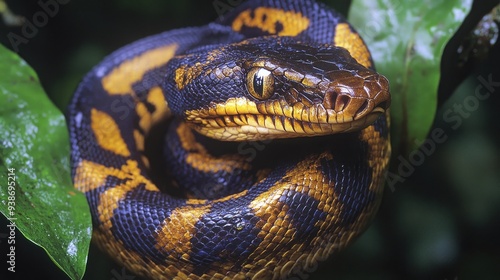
(342, 102)
(330, 99)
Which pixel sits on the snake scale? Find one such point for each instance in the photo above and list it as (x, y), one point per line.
(250, 148)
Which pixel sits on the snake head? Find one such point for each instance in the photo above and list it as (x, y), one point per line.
(275, 87)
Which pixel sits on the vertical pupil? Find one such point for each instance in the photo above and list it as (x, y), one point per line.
(258, 84)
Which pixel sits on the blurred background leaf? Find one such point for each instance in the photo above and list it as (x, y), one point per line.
(34, 145)
(407, 40)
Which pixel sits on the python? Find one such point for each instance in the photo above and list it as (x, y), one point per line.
(294, 72)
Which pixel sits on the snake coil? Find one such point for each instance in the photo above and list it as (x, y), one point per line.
(291, 77)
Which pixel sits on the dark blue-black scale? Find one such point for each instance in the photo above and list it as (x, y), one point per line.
(225, 236)
(138, 218)
(380, 125)
(350, 171)
(304, 214)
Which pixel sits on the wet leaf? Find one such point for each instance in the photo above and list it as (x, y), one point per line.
(407, 40)
(36, 190)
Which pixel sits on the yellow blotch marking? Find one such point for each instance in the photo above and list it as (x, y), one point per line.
(144, 117)
(346, 38)
(107, 133)
(148, 119)
(306, 177)
(266, 18)
(276, 227)
(201, 160)
(145, 160)
(185, 74)
(156, 97)
(187, 139)
(90, 175)
(179, 227)
(121, 79)
(378, 155)
(182, 76)
(139, 140)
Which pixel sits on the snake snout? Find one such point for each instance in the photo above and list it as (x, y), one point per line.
(357, 96)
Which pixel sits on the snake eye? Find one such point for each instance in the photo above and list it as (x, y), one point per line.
(260, 83)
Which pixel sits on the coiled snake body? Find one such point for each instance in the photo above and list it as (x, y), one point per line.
(283, 70)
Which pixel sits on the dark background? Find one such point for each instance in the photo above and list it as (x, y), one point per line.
(441, 223)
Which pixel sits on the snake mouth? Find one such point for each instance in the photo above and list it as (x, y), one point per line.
(345, 105)
(254, 121)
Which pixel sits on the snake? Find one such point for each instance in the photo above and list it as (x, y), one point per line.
(253, 147)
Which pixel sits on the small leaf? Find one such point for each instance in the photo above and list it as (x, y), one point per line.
(407, 40)
(34, 169)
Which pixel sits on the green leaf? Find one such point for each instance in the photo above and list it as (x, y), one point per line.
(407, 40)
(34, 169)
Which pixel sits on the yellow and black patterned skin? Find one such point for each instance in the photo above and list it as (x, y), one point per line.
(273, 144)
